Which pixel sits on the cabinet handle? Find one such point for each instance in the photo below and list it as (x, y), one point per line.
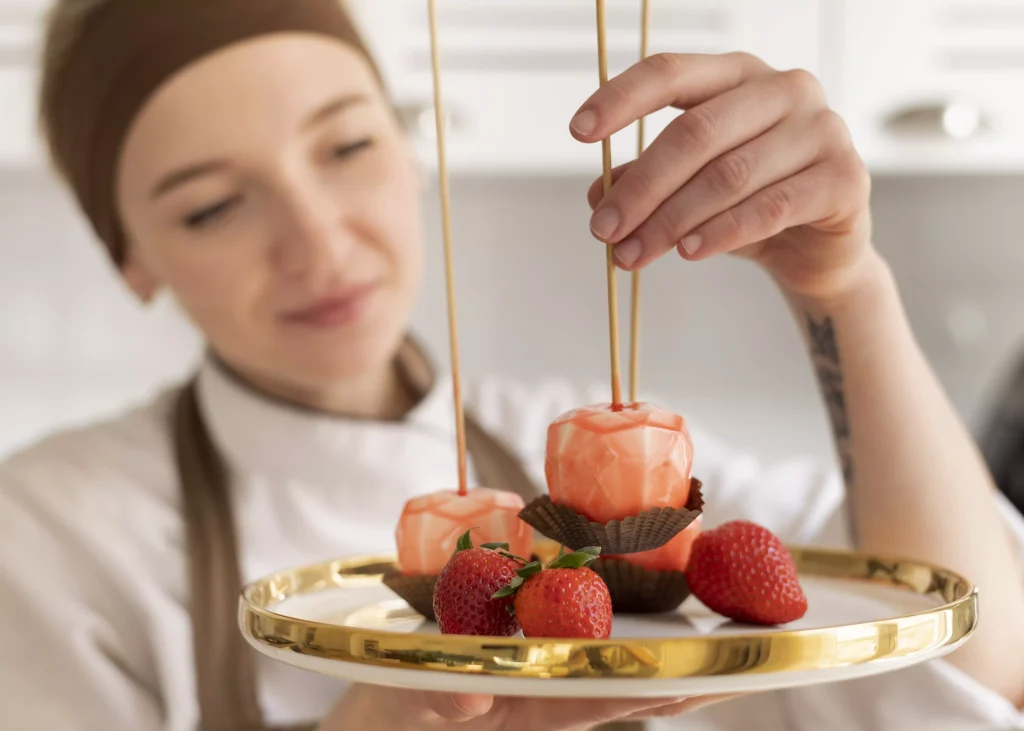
(954, 120)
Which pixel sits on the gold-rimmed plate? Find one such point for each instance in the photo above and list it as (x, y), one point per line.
(866, 615)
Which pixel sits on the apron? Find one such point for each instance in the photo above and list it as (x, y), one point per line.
(225, 663)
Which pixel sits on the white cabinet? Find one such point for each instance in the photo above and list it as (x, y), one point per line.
(515, 71)
(925, 85)
(933, 85)
(20, 25)
(19, 143)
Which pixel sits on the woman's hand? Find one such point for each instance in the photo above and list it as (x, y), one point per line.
(385, 709)
(758, 165)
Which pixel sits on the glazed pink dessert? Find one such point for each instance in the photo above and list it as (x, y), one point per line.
(431, 525)
(673, 556)
(609, 465)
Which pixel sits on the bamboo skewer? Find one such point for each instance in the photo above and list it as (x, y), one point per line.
(446, 222)
(634, 325)
(606, 155)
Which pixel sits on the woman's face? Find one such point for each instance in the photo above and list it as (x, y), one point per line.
(271, 189)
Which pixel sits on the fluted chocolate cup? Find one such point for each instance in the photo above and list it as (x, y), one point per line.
(418, 591)
(647, 531)
(638, 590)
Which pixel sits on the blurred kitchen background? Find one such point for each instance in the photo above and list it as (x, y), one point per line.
(930, 88)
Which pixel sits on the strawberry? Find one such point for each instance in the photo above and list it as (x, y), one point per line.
(566, 599)
(742, 571)
(463, 594)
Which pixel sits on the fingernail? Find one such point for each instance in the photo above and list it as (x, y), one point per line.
(691, 243)
(584, 122)
(604, 223)
(628, 252)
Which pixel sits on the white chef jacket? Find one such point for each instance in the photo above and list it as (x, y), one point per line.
(94, 621)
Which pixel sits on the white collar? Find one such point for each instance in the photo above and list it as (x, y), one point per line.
(261, 434)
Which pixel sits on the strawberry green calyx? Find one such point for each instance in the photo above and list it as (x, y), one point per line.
(495, 546)
(524, 573)
(506, 554)
(574, 560)
(465, 542)
(502, 549)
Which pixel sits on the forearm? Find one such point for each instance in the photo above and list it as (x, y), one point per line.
(917, 485)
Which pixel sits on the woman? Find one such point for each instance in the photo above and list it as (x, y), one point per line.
(242, 154)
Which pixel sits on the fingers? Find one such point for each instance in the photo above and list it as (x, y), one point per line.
(458, 708)
(687, 705)
(722, 183)
(408, 709)
(696, 138)
(804, 198)
(567, 714)
(596, 191)
(662, 80)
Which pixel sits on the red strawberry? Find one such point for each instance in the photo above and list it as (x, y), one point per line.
(567, 599)
(463, 594)
(744, 572)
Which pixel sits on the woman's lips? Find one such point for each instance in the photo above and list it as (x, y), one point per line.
(337, 310)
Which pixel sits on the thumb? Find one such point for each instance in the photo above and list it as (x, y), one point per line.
(458, 707)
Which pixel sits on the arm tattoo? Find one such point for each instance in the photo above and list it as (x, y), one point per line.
(825, 355)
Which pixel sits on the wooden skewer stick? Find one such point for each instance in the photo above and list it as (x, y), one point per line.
(634, 325)
(446, 222)
(606, 154)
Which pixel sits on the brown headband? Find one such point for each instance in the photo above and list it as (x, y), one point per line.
(126, 50)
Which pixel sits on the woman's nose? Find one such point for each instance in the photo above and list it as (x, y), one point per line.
(313, 236)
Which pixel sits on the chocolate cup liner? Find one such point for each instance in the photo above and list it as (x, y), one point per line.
(644, 532)
(637, 590)
(418, 591)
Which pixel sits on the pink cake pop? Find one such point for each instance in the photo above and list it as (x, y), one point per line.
(610, 463)
(431, 525)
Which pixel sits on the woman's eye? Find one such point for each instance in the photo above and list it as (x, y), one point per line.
(342, 152)
(204, 216)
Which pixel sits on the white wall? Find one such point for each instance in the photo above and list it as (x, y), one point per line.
(73, 345)
(718, 341)
(719, 346)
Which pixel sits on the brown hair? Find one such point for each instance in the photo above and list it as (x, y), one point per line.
(65, 23)
(102, 59)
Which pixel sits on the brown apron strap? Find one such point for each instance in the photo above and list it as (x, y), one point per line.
(225, 667)
(225, 664)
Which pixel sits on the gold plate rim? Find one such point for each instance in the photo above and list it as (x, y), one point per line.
(921, 634)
